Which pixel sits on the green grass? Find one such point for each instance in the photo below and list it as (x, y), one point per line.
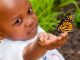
(48, 10)
(46, 16)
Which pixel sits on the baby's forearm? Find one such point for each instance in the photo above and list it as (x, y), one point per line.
(34, 51)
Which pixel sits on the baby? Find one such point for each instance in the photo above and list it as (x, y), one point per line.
(21, 37)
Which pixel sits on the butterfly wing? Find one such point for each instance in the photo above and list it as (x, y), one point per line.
(66, 25)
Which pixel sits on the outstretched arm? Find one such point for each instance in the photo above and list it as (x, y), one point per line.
(46, 42)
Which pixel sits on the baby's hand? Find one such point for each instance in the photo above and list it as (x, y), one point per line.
(49, 41)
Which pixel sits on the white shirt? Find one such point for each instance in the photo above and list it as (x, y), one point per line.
(12, 50)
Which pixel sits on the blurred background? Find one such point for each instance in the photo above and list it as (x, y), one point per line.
(50, 13)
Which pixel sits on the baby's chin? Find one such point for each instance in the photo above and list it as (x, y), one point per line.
(32, 36)
(28, 37)
(23, 37)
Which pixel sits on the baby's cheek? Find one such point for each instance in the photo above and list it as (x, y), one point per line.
(17, 36)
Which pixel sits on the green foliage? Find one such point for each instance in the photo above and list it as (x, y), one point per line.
(47, 16)
(77, 18)
(67, 2)
(48, 10)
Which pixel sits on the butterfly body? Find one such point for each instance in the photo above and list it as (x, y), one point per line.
(66, 24)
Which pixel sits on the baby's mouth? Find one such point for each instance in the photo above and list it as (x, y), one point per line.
(33, 30)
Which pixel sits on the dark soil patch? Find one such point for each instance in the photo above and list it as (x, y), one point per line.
(71, 50)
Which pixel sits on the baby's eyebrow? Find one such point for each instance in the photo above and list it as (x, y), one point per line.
(15, 17)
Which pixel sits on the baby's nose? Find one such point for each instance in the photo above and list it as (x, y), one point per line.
(29, 23)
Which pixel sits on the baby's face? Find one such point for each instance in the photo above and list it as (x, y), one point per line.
(18, 21)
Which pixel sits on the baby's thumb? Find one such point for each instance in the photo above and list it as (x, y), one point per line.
(40, 38)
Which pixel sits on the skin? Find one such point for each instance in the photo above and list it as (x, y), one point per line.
(19, 22)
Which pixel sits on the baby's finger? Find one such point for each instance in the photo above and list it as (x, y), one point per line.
(63, 35)
(46, 36)
(52, 36)
(41, 37)
(62, 38)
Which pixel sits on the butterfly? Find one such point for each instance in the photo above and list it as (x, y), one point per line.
(66, 24)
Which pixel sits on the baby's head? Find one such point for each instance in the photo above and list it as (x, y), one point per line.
(17, 20)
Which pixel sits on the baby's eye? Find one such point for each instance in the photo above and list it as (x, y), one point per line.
(30, 11)
(18, 21)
